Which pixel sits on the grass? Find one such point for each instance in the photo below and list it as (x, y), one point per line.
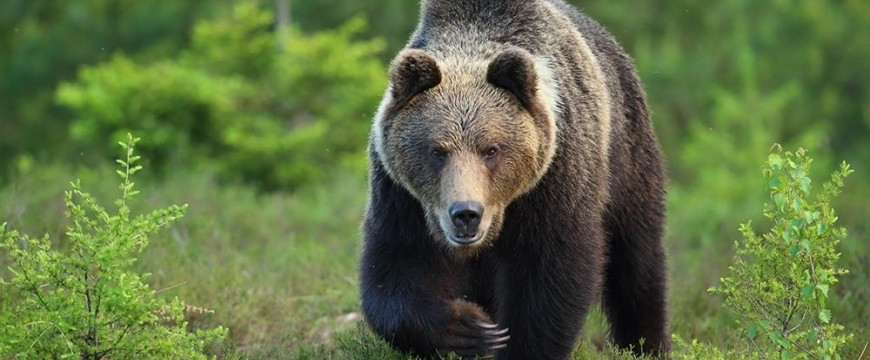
(279, 270)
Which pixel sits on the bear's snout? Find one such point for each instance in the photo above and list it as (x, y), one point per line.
(466, 216)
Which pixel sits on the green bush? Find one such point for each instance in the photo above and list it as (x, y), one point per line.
(241, 43)
(85, 302)
(45, 42)
(317, 103)
(780, 282)
(183, 110)
(279, 119)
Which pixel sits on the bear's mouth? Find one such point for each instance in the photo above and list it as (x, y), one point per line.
(465, 239)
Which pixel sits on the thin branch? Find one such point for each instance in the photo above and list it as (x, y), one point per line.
(761, 353)
(760, 304)
(111, 322)
(88, 293)
(98, 300)
(791, 308)
(115, 344)
(171, 287)
(811, 355)
(799, 323)
(784, 335)
(66, 338)
(816, 303)
(35, 290)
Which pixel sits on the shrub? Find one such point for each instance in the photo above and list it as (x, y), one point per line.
(279, 119)
(683, 350)
(85, 302)
(313, 106)
(181, 109)
(241, 43)
(325, 88)
(780, 281)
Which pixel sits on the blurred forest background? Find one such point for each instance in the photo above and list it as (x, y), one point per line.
(256, 113)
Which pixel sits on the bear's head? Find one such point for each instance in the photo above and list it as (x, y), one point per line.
(466, 136)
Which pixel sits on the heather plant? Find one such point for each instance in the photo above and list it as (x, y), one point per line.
(81, 299)
(780, 281)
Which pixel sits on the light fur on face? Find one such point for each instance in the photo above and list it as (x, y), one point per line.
(464, 71)
(464, 87)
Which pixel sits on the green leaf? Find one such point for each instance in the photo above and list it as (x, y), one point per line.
(785, 354)
(753, 331)
(779, 200)
(825, 316)
(773, 182)
(796, 224)
(824, 289)
(807, 292)
(797, 204)
(805, 244)
(805, 185)
(794, 249)
(813, 335)
(777, 338)
(775, 161)
(821, 229)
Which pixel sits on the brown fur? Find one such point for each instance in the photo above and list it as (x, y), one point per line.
(532, 110)
(464, 116)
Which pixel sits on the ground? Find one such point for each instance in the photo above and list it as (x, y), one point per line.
(280, 269)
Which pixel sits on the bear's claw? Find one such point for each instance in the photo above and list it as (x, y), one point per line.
(476, 338)
(496, 332)
(485, 325)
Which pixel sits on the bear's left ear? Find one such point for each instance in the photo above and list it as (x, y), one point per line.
(514, 71)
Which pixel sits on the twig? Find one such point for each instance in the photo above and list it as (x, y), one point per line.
(68, 343)
(171, 287)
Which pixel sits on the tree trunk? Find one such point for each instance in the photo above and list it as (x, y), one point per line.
(282, 13)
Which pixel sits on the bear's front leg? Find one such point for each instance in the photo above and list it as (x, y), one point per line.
(412, 302)
(411, 288)
(545, 291)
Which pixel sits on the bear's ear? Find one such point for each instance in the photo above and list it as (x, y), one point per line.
(514, 71)
(411, 73)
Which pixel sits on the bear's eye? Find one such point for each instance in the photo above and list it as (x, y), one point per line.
(490, 153)
(439, 154)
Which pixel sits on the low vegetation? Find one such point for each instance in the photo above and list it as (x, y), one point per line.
(83, 301)
(279, 272)
(260, 129)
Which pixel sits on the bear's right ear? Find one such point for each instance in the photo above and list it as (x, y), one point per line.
(514, 71)
(411, 73)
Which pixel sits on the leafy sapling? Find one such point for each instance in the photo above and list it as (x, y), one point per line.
(780, 281)
(83, 301)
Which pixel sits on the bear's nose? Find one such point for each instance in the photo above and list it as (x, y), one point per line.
(466, 216)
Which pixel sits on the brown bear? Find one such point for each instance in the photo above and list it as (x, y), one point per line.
(515, 179)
